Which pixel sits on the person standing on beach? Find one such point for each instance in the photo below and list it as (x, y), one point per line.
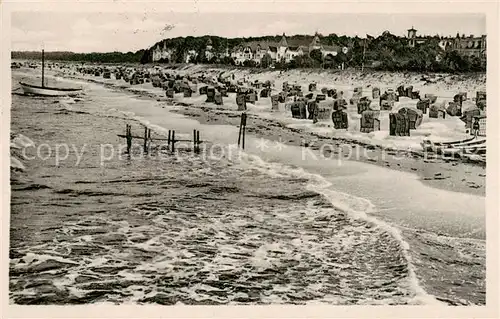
(475, 127)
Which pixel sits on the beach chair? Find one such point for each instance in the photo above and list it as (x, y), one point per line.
(332, 93)
(169, 92)
(401, 90)
(177, 86)
(324, 110)
(232, 88)
(302, 108)
(295, 109)
(423, 105)
(399, 125)
(363, 104)
(339, 104)
(251, 97)
(408, 91)
(218, 98)
(210, 95)
(453, 109)
(275, 102)
(358, 91)
(414, 116)
(203, 90)
(187, 91)
(437, 111)
(282, 97)
(298, 110)
(481, 105)
(415, 95)
(222, 90)
(459, 98)
(386, 105)
(265, 92)
(369, 121)
(241, 101)
(311, 106)
(340, 120)
(482, 125)
(480, 96)
(431, 97)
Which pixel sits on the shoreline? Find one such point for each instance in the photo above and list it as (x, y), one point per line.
(445, 174)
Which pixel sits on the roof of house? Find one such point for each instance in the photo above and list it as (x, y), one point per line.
(295, 43)
(332, 48)
(304, 48)
(283, 42)
(264, 45)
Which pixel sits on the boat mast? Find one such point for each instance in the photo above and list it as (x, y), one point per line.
(43, 68)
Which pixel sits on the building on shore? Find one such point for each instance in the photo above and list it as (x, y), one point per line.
(190, 56)
(209, 50)
(467, 46)
(161, 53)
(283, 51)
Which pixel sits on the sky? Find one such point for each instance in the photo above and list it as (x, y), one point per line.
(127, 31)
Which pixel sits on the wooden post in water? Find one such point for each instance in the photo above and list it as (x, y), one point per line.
(194, 141)
(43, 68)
(128, 134)
(173, 141)
(244, 129)
(241, 134)
(197, 141)
(145, 139)
(169, 137)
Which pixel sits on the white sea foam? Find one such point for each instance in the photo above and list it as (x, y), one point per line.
(356, 207)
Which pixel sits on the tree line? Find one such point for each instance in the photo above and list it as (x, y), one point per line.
(94, 57)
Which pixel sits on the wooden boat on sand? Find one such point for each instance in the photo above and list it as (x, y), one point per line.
(48, 91)
(467, 146)
(45, 90)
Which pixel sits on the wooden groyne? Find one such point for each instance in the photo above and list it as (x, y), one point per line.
(147, 139)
